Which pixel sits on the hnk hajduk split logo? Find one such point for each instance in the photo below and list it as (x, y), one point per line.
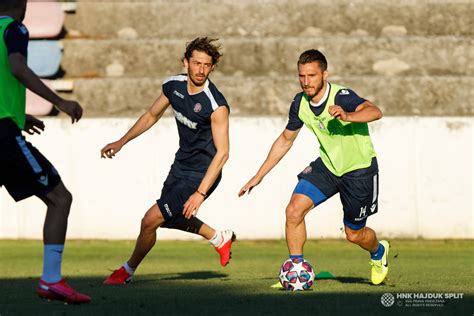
(419, 299)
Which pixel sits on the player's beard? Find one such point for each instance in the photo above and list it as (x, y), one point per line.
(196, 83)
(317, 89)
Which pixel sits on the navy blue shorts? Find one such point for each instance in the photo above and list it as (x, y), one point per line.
(358, 190)
(178, 187)
(24, 171)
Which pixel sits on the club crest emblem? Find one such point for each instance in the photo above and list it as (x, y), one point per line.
(197, 107)
(321, 126)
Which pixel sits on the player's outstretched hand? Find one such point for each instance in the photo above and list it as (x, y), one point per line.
(192, 205)
(110, 150)
(33, 125)
(250, 185)
(71, 108)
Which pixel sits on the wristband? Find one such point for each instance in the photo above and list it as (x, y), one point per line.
(204, 195)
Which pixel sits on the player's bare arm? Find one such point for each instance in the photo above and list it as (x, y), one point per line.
(147, 120)
(279, 149)
(220, 135)
(31, 81)
(364, 113)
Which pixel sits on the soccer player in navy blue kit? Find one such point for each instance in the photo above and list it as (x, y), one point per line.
(24, 171)
(202, 118)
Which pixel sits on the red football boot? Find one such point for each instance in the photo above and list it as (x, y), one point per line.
(119, 276)
(61, 291)
(228, 237)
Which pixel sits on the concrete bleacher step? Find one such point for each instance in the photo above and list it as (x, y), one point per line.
(266, 95)
(365, 55)
(190, 18)
(409, 57)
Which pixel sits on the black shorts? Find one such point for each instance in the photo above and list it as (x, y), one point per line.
(24, 171)
(178, 187)
(358, 190)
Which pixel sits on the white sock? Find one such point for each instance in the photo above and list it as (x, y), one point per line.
(217, 239)
(129, 269)
(221, 237)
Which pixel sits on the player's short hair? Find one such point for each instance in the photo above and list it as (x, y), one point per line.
(313, 55)
(205, 45)
(6, 5)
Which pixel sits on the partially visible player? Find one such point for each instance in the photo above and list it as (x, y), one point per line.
(347, 164)
(24, 171)
(202, 118)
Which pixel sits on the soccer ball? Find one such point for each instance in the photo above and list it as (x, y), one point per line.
(296, 275)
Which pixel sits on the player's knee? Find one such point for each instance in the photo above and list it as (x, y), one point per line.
(64, 201)
(61, 199)
(149, 223)
(67, 199)
(354, 236)
(294, 215)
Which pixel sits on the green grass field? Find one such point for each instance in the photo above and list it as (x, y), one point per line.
(185, 278)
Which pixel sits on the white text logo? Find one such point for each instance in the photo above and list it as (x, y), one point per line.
(178, 94)
(183, 119)
(167, 208)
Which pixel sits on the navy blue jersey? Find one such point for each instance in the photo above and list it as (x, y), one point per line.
(193, 118)
(345, 98)
(16, 38)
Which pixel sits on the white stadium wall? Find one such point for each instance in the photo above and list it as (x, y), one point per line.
(425, 180)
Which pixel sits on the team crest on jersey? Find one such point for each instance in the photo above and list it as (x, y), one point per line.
(321, 126)
(197, 107)
(307, 170)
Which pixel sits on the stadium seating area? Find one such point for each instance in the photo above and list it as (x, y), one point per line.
(45, 22)
(409, 57)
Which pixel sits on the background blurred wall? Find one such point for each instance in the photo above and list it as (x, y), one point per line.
(425, 180)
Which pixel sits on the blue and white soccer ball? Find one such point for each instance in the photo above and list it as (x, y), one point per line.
(296, 275)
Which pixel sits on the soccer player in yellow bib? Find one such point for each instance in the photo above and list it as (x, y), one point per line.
(346, 165)
(24, 171)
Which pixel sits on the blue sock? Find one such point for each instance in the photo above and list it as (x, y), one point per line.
(53, 254)
(377, 254)
(296, 257)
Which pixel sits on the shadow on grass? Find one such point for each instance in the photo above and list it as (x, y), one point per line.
(349, 280)
(353, 280)
(205, 293)
(195, 275)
